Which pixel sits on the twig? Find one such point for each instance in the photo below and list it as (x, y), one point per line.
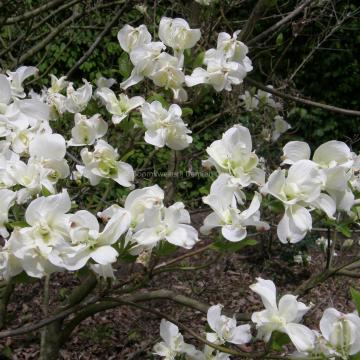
(303, 101)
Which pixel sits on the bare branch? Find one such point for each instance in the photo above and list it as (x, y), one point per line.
(30, 14)
(303, 101)
(280, 23)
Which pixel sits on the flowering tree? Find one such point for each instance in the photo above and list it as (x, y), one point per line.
(47, 229)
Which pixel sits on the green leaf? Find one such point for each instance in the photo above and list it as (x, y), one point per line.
(187, 112)
(223, 245)
(18, 224)
(23, 278)
(125, 65)
(199, 60)
(278, 340)
(276, 206)
(355, 294)
(280, 39)
(165, 249)
(344, 229)
(160, 98)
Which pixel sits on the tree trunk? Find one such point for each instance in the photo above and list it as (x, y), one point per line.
(51, 341)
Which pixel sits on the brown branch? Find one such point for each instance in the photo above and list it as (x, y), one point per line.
(98, 39)
(30, 14)
(301, 100)
(280, 23)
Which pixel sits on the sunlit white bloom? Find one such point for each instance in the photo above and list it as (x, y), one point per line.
(144, 59)
(77, 100)
(177, 34)
(225, 329)
(301, 188)
(7, 199)
(168, 73)
(233, 155)
(104, 162)
(170, 224)
(233, 222)
(87, 242)
(103, 271)
(231, 49)
(280, 127)
(131, 38)
(103, 82)
(47, 218)
(87, 131)
(10, 265)
(283, 317)
(120, 107)
(57, 85)
(220, 74)
(342, 331)
(165, 127)
(173, 342)
(16, 79)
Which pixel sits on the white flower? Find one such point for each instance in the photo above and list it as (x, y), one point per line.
(57, 85)
(144, 59)
(48, 229)
(103, 271)
(86, 240)
(177, 34)
(280, 127)
(104, 162)
(120, 107)
(7, 199)
(165, 127)
(87, 131)
(250, 102)
(103, 82)
(170, 224)
(225, 329)
(131, 38)
(226, 215)
(342, 331)
(77, 100)
(266, 99)
(284, 317)
(210, 353)
(233, 155)
(17, 78)
(301, 188)
(168, 73)
(173, 342)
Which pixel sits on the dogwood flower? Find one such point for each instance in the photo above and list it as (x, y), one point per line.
(210, 353)
(144, 59)
(177, 34)
(284, 317)
(57, 85)
(10, 266)
(88, 242)
(226, 215)
(161, 223)
(119, 107)
(103, 163)
(165, 127)
(280, 127)
(233, 155)
(7, 199)
(16, 79)
(342, 331)
(87, 131)
(301, 188)
(47, 218)
(225, 329)
(250, 102)
(173, 342)
(131, 38)
(77, 100)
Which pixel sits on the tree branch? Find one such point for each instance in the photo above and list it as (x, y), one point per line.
(30, 14)
(303, 101)
(280, 23)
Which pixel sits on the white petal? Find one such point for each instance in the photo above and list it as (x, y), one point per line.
(301, 336)
(104, 255)
(295, 151)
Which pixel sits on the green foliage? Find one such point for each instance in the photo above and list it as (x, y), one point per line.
(355, 294)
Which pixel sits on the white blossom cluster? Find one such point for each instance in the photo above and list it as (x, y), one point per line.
(339, 335)
(263, 104)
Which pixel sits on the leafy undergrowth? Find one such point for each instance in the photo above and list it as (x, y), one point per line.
(128, 333)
